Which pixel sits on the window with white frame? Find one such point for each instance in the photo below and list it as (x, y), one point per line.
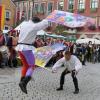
(60, 4)
(36, 8)
(71, 5)
(7, 14)
(43, 8)
(50, 7)
(81, 4)
(94, 4)
(24, 7)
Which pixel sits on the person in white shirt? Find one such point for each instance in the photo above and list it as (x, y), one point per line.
(73, 65)
(25, 48)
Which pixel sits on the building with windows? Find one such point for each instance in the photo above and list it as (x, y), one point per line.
(91, 8)
(7, 14)
(28, 8)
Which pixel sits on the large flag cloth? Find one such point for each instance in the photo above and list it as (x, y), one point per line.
(44, 54)
(69, 19)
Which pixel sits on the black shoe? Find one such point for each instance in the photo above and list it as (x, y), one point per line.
(1, 67)
(76, 91)
(22, 78)
(10, 67)
(59, 89)
(84, 64)
(24, 82)
(23, 87)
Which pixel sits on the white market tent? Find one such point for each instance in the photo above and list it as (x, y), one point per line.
(56, 36)
(87, 40)
(41, 32)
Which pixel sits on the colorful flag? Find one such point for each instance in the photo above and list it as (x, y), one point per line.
(69, 19)
(44, 54)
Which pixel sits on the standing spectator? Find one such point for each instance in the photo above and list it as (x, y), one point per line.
(89, 53)
(83, 51)
(12, 61)
(74, 49)
(99, 53)
(93, 54)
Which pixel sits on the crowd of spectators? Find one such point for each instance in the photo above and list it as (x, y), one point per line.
(8, 54)
(85, 52)
(40, 42)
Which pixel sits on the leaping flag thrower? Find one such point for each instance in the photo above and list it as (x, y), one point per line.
(28, 32)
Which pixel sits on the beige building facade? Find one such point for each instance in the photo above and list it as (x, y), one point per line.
(8, 14)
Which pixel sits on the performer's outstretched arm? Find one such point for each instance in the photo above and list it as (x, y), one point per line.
(41, 25)
(78, 64)
(58, 64)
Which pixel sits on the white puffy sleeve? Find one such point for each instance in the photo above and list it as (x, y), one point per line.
(58, 64)
(78, 64)
(41, 25)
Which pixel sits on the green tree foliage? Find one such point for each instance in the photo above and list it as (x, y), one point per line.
(59, 29)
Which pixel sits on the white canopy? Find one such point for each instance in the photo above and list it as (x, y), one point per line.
(86, 40)
(56, 36)
(41, 32)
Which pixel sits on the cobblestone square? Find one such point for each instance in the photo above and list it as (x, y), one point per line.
(44, 83)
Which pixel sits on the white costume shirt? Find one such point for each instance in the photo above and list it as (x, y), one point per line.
(28, 33)
(72, 64)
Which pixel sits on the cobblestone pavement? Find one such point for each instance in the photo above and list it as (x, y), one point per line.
(44, 84)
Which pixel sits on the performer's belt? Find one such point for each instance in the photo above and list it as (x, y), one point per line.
(25, 44)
